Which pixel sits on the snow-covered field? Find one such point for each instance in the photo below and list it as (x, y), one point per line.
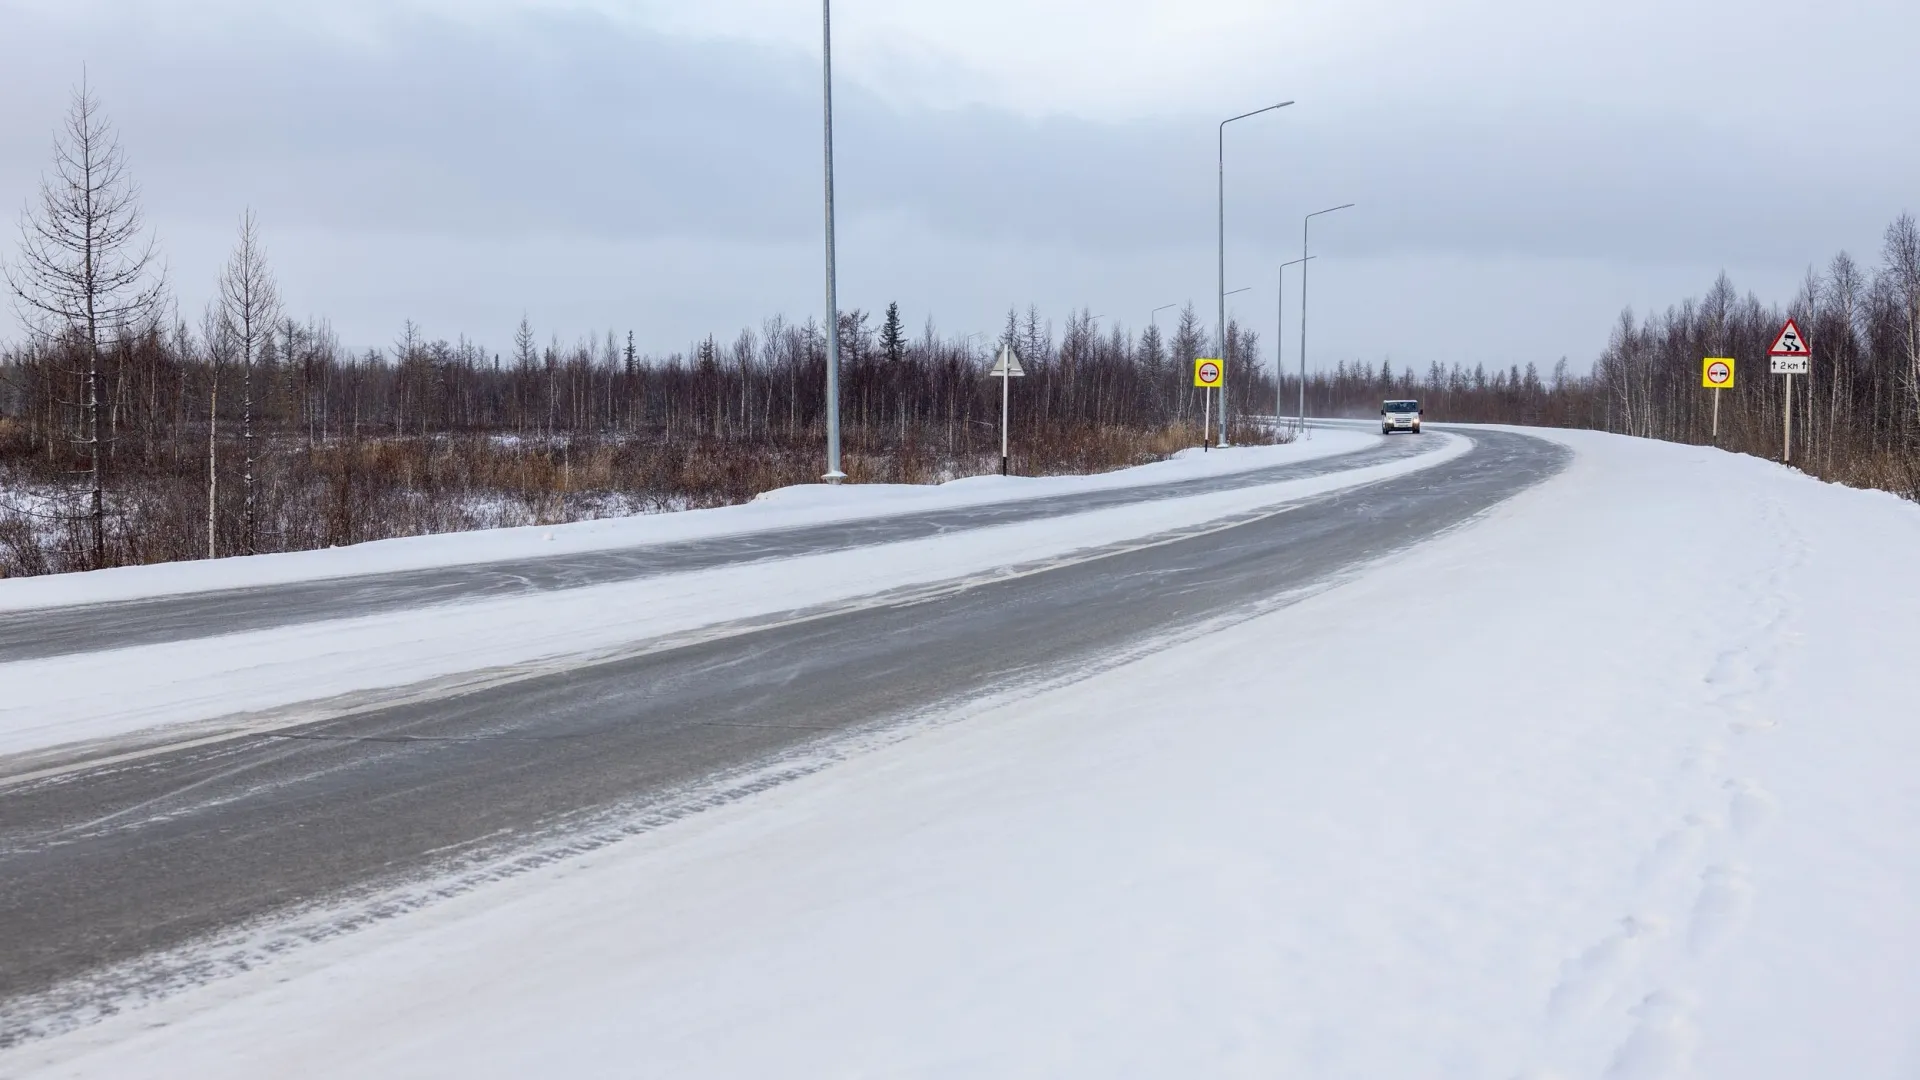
(261, 680)
(1631, 790)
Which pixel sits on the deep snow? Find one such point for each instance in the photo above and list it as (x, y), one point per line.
(1618, 782)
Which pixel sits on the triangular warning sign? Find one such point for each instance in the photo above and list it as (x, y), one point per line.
(1007, 365)
(1790, 342)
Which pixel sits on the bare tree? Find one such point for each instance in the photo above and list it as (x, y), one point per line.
(1903, 273)
(219, 342)
(249, 303)
(86, 267)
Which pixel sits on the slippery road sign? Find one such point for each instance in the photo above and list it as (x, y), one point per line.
(1209, 373)
(1791, 354)
(1790, 342)
(1716, 373)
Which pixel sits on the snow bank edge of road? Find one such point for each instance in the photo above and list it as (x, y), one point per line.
(257, 675)
(782, 508)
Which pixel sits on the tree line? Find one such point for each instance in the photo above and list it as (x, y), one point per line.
(1856, 414)
(132, 434)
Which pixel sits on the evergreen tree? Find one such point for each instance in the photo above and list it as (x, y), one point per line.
(893, 338)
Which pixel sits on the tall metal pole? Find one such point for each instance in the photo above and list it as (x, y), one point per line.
(1220, 337)
(1304, 257)
(1279, 368)
(1006, 393)
(1303, 318)
(1153, 319)
(833, 475)
(1786, 449)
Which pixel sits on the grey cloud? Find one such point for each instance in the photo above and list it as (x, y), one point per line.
(569, 123)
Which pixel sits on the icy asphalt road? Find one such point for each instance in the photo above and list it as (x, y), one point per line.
(41, 633)
(103, 872)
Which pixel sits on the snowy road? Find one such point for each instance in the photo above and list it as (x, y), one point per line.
(39, 633)
(1615, 781)
(103, 868)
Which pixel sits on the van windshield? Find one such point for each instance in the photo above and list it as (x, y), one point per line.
(1403, 406)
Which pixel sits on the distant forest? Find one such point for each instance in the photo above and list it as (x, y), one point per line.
(129, 434)
(1856, 415)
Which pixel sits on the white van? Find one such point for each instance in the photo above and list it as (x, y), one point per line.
(1399, 416)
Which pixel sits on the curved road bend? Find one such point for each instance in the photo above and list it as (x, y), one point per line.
(105, 867)
(36, 634)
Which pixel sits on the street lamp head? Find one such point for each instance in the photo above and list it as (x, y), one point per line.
(1331, 209)
(1255, 112)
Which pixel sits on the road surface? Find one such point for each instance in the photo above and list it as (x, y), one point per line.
(37, 634)
(103, 870)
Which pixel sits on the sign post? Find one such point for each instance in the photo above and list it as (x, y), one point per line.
(1792, 355)
(1007, 368)
(1716, 374)
(1209, 374)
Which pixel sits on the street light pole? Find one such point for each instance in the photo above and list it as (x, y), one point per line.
(833, 475)
(1221, 337)
(1153, 317)
(1279, 369)
(1303, 303)
(1207, 396)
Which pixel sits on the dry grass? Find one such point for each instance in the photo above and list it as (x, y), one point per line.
(352, 492)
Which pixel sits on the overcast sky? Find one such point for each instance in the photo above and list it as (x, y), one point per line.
(1523, 168)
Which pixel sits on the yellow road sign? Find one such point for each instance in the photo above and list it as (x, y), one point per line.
(1209, 373)
(1716, 373)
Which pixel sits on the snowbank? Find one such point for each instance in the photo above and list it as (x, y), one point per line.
(785, 508)
(109, 693)
(1627, 791)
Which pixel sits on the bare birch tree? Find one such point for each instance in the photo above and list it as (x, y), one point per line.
(1903, 273)
(249, 304)
(218, 343)
(87, 268)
